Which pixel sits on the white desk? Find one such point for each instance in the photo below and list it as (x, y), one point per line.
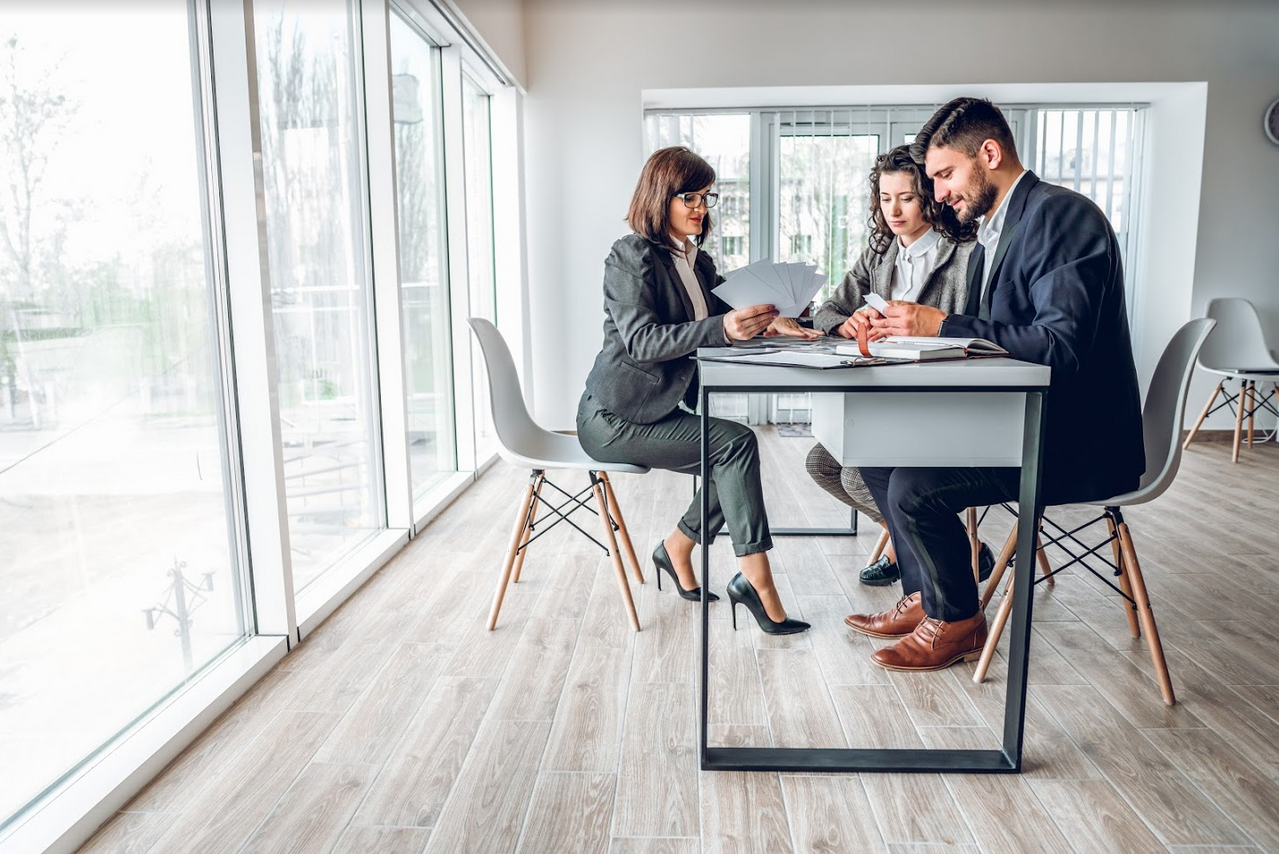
(910, 404)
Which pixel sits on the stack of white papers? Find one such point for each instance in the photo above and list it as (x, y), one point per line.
(788, 287)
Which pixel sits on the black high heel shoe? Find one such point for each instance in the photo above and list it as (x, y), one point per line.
(742, 592)
(662, 561)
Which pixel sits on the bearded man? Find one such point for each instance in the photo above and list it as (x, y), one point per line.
(1046, 284)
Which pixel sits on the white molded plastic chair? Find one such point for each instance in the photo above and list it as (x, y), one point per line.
(522, 443)
(1161, 419)
(1238, 351)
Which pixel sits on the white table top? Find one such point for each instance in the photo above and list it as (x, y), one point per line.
(972, 374)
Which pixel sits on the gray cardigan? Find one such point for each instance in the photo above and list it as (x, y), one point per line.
(946, 286)
(643, 370)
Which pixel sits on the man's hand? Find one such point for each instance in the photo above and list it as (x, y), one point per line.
(790, 326)
(862, 318)
(909, 318)
(743, 324)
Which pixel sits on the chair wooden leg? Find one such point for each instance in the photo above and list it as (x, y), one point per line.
(528, 529)
(517, 536)
(1044, 567)
(1146, 615)
(1130, 611)
(974, 543)
(1239, 407)
(880, 545)
(1001, 566)
(996, 629)
(613, 552)
(1212, 398)
(621, 527)
(1252, 409)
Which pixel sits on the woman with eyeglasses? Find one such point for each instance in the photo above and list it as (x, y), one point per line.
(641, 392)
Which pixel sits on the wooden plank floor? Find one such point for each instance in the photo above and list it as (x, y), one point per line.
(401, 725)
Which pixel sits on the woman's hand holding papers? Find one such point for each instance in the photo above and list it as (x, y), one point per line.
(743, 324)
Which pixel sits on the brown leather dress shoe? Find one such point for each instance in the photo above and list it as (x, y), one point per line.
(935, 645)
(897, 622)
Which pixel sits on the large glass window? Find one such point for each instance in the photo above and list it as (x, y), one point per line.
(119, 569)
(478, 163)
(317, 240)
(424, 282)
(724, 141)
(1092, 151)
(823, 196)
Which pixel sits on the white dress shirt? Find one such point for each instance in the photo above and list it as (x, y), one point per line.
(685, 256)
(992, 225)
(913, 264)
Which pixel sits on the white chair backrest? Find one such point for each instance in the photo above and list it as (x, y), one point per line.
(1165, 407)
(1240, 341)
(516, 430)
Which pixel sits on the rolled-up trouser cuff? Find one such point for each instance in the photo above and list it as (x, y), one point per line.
(744, 549)
(689, 532)
(739, 549)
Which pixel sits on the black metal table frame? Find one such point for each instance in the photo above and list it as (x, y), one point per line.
(842, 759)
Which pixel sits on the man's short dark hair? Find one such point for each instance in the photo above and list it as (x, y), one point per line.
(963, 125)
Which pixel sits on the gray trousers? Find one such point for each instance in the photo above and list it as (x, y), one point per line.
(674, 443)
(843, 482)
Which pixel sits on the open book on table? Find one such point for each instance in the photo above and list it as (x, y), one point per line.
(921, 348)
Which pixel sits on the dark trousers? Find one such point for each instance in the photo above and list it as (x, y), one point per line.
(735, 494)
(921, 506)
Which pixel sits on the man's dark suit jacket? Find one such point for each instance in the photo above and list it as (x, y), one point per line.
(1058, 300)
(643, 370)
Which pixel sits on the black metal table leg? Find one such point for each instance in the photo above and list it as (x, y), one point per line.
(1003, 761)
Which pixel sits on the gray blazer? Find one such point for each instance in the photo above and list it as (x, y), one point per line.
(946, 286)
(644, 370)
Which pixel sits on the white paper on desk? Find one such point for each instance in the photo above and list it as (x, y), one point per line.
(796, 359)
(733, 352)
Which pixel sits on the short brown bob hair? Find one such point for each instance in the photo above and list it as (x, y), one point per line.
(668, 173)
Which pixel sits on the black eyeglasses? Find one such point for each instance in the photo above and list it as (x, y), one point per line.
(693, 200)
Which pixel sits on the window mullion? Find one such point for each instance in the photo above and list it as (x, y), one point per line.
(384, 228)
(253, 342)
(459, 278)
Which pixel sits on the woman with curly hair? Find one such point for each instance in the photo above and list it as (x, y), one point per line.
(918, 252)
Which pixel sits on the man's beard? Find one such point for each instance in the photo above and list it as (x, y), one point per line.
(981, 201)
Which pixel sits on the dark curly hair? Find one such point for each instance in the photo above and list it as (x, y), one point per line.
(939, 216)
